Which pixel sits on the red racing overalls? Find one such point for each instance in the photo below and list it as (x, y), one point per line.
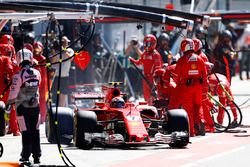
(223, 98)
(43, 90)
(191, 75)
(150, 61)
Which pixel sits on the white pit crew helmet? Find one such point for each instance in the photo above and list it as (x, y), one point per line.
(24, 54)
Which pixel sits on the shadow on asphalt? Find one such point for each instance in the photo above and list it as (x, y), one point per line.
(124, 147)
(236, 131)
(241, 135)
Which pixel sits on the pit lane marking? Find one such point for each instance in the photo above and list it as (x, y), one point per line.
(198, 162)
(200, 138)
(180, 156)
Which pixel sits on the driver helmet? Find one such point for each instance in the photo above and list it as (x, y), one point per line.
(117, 102)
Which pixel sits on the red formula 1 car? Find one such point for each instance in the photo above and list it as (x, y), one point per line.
(107, 118)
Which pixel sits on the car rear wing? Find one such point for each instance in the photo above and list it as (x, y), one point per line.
(87, 95)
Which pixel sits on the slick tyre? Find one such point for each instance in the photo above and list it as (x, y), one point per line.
(178, 122)
(85, 123)
(64, 128)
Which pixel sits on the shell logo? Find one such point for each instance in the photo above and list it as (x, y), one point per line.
(193, 66)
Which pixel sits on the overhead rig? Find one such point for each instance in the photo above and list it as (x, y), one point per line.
(101, 10)
(235, 16)
(45, 16)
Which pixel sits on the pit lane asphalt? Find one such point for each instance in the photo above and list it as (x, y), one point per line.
(219, 149)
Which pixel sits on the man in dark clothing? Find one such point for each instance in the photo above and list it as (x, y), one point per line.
(224, 55)
(164, 49)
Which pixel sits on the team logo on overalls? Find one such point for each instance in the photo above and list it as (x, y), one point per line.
(193, 66)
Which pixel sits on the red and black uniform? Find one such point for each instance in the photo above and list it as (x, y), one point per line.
(215, 87)
(151, 60)
(43, 89)
(206, 103)
(6, 73)
(9, 68)
(169, 83)
(191, 75)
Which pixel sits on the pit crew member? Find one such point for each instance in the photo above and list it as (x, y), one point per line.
(43, 90)
(191, 75)
(151, 60)
(24, 93)
(222, 91)
(205, 99)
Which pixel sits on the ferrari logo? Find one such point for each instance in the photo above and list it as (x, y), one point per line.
(193, 66)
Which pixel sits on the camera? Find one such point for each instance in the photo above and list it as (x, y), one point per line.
(134, 42)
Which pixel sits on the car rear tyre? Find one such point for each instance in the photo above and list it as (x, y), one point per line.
(85, 122)
(178, 122)
(64, 128)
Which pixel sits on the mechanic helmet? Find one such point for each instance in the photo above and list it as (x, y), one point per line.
(163, 40)
(187, 44)
(7, 50)
(24, 55)
(38, 48)
(226, 34)
(200, 33)
(28, 46)
(164, 36)
(149, 42)
(29, 38)
(209, 67)
(197, 44)
(117, 102)
(158, 75)
(3, 49)
(7, 39)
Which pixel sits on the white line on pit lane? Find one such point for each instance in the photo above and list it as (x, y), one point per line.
(200, 138)
(213, 157)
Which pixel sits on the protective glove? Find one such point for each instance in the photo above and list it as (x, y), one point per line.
(6, 116)
(131, 59)
(7, 112)
(6, 81)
